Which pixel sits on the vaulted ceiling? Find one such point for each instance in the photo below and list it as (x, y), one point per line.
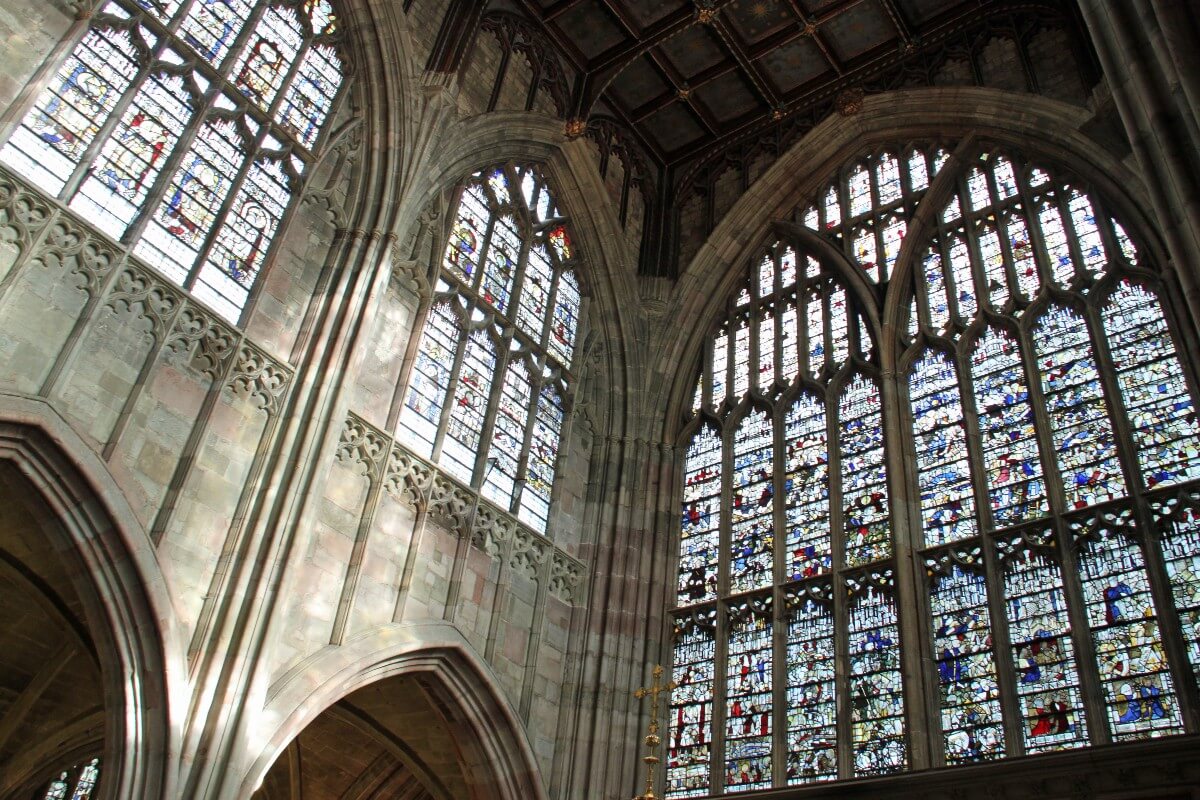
(691, 75)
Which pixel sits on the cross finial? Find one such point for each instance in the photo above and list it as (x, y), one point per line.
(652, 739)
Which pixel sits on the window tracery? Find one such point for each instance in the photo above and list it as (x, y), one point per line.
(492, 378)
(186, 129)
(1043, 423)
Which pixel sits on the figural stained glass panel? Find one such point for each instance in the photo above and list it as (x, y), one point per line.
(876, 691)
(811, 685)
(492, 415)
(689, 728)
(748, 698)
(130, 96)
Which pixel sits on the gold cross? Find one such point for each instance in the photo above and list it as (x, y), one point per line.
(652, 739)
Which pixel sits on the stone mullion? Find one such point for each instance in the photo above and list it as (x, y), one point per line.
(222, 215)
(923, 717)
(520, 479)
(502, 342)
(780, 574)
(439, 436)
(837, 539)
(518, 280)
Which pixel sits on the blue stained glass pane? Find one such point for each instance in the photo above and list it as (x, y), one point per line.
(561, 340)
(309, 99)
(430, 378)
(56, 133)
(864, 478)
(806, 489)
(766, 350)
(1055, 236)
(720, 367)
(1156, 396)
(130, 160)
(244, 237)
(467, 237)
(972, 728)
(865, 251)
(181, 224)
(964, 283)
(86, 783)
(943, 468)
(748, 719)
(1087, 234)
(918, 171)
(814, 308)
(839, 326)
(1138, 692)
(893, 239)
(1039, 631)
(887, 177)
(500, 263)
(508, 435)
(700, 534)
(977, 190)
(993, 268)
(811, 692)
(268, 55)
(469, 405)
(877, 742)
(937, 296)
(1181, 551)
(543, 458)
(690, 722)
(787, 268)
(859, 191)
(1016, 485)
(1006, 180)
(1024, 265)
(790, 368)
(535, 293)
(211, 26)
(1079, 422)
(752, 511)
(741, 359)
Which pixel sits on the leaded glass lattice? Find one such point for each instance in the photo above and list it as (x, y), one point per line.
(691, 714)
(191, 162)
(748, 698)
(1041, 421)
(490, 388)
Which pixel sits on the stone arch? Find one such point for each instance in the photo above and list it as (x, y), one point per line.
(608, 264)
(493, 747)
(127, 606)
(1040, 126)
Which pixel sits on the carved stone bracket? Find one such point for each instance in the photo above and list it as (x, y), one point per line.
(566, 578)
(450, 503)
(527, 554)
(491, 529)
(23, 214)
(70, 245)
(407, 477)
(210, 341)
(363, 444)
(147, 298)
(259, 377)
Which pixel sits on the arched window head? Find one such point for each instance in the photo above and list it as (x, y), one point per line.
(492, 380)
(1045, 563)
(185, 130)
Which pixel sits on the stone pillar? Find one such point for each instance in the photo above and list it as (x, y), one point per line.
(1149, 50)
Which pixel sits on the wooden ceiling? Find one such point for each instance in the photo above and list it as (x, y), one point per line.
(690, 76)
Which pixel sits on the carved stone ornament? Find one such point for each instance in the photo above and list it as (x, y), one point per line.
(407, 477)
(574, 128)
(363, 445)
(566, 578)
(209, 340)
(146, 298)
(260, 378)
(849, 102)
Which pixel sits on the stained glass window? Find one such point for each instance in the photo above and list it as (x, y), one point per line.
(488, 393)
(191, 163)
(78, 783)
(1042, 423)
(691, 715)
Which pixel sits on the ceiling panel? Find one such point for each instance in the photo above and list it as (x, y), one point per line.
(755, 20)
(794, 64)
(591, 27)
(853, 34)
(693, 51)
(728, 97)
(674, 127)
(638, 84)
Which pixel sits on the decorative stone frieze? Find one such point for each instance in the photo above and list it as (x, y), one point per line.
(259, 377)
(211, 342)
(419, 484)
(362, 444)
(144, 296)
(23, 212)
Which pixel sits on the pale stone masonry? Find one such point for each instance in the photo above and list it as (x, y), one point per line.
(250, 545)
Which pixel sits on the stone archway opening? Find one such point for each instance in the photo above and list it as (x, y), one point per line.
(53, 702)
(391, 739)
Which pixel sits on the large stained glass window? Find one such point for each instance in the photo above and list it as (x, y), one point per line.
(1040, 422)
(77, 783)
(185, 129)
(488, 391)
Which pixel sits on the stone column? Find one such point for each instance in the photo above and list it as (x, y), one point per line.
(1149, 50)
